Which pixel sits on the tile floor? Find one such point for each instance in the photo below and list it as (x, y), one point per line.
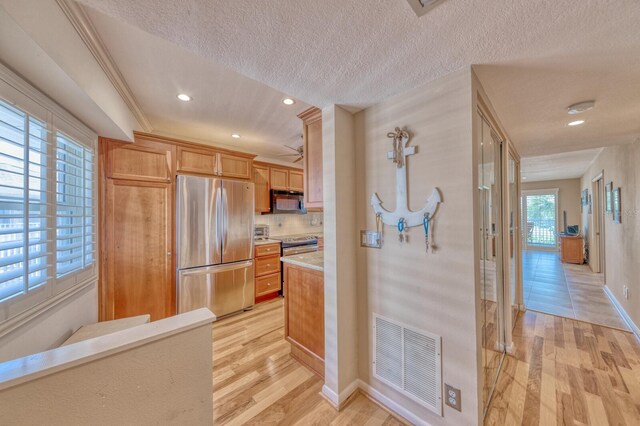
(567, 290)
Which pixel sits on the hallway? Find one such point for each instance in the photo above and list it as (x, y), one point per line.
(567, 290)
(565, 372)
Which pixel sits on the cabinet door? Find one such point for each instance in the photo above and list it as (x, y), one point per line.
(200, 161)
(279, 178)
(296, 180)
(261, 185)
(313, 164)
(139, 277)
(138, 161)
(234, 167)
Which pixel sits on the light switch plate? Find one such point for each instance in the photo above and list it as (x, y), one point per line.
(452, 397)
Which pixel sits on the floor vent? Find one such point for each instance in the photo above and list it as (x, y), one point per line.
(408, 360)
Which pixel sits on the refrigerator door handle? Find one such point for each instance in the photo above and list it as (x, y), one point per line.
(217, 219)
(215, 268)
(225, 219)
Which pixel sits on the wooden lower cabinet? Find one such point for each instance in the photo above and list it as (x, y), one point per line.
(572, 249)
(268, 279)
(139, 271)
(304, 315)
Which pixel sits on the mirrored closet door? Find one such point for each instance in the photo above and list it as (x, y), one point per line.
(491, 254)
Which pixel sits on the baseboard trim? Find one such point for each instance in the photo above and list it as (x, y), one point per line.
(390, 405)
(627, 319)
(339, 401)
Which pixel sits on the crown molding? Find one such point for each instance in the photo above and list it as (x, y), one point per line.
(83, 25)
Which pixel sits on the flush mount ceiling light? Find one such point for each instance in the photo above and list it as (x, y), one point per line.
(580, 107)
(183, 97)
(576, 123)
(288, 101)
(235, 136)
(421, 7)
(524, 178)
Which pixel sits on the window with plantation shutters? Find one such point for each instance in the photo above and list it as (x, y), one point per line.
(24, 204)
(47, 209)
(75, 230)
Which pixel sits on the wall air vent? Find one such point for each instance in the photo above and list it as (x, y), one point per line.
(421, 7)
(409, 360)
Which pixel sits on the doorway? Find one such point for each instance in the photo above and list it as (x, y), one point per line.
(540, 213)
(596, 261)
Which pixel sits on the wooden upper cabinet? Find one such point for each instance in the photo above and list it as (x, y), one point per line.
(200, 161)
(138, 161)
(296, 180)
(261, 185)
(312, 135)
(234, 166)
(139, 271)
(210, 162)
(279, 178)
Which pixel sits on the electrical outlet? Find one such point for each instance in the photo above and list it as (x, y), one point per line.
(452, 397)
(625, 292)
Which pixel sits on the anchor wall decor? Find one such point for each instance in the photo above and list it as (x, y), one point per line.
(403, 217)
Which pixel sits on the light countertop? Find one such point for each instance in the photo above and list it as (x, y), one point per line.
(263, 242)
(313, 260)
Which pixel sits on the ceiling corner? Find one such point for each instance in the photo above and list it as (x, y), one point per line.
(87, 32)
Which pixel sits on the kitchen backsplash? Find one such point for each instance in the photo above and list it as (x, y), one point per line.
(289, 224)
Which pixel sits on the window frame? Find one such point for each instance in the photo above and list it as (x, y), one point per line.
(19, 94)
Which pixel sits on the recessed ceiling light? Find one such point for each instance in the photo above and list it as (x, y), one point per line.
(235, 136)
(183, 97)
(576, 123)
(580, 107)
(288, 101)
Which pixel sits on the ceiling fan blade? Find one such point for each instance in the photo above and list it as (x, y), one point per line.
(288, 155)
(298, 160)
(293, 149)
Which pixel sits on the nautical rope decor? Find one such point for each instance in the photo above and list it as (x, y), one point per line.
(403, 218)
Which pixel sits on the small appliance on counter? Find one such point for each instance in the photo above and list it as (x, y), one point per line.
(261, 232)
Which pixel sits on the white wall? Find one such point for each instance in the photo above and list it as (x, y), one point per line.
(622, 241)
(435, 291)
(51, 327)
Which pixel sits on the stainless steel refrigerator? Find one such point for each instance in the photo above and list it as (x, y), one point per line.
(214, 235)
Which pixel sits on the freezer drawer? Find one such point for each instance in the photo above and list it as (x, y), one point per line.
(224, 289)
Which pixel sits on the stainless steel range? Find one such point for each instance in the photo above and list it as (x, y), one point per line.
(297, 244)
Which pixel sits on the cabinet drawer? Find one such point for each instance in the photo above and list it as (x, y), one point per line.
(268, 284)
(267, 249)
(267, 265)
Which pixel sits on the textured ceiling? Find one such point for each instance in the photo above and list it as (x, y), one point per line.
(566, 165)
(535, 58)
(224, 101)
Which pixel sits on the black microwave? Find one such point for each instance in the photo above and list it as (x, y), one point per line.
(290, 202)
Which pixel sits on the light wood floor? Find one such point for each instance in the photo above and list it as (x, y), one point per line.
(255, 381)
(567, 372)
(568, 290)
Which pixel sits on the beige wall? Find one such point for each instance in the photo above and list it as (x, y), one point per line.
(153, 374)
(622, 241)
(568, 198)
(49, 328)
(339, 183)
(435, 291)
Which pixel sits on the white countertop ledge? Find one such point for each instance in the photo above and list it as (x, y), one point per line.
(313, 260)
(21, 370)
